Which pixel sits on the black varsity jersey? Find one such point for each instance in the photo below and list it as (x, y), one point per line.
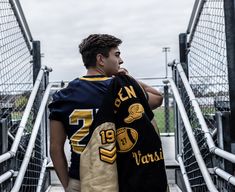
(75, 106)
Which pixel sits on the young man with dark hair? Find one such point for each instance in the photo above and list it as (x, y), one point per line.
(73, 108)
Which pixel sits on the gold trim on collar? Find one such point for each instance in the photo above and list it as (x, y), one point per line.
(95, 78)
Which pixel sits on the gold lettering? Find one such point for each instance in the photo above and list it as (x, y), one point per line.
(144, 159)
(161, 154)
(121, 97)
(156, 158)
(137, 157)
(130, 91)
(150, 157)
(117, 102)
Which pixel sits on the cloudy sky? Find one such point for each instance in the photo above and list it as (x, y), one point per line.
(145, 26)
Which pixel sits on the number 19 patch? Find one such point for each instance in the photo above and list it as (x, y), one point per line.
(108, 152)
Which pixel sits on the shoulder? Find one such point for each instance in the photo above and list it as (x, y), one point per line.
(66, 91)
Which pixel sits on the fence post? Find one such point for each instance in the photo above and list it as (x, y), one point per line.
(166, 106)
(3, 142)
(178, 81)
(229, 11)
(36, 68)
(5, 123)
(183, 48)
(175, 75)
(44, 124)
(183, 52)
(36, 59)
(223, 138)
(38, 144)
(4, 136)
(229, 7)
(178, 147)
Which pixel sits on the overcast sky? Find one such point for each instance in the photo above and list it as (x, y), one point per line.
(145, 26)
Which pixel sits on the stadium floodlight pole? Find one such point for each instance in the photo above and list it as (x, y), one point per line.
(166, 49)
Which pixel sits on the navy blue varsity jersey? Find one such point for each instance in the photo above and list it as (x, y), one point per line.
(75, 106)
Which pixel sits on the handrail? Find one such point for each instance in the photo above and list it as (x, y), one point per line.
(31, 143)
(184, 173)
(226, 176)
(42, 174)
(191, 137)
(24, 119)
(7, 175)
(215, 150)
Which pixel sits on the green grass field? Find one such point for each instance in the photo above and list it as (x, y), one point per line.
(159, 115)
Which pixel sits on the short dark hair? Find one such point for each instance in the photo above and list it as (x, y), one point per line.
(97, 44)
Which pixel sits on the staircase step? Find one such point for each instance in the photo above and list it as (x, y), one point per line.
(168, 143)
(55, 188)
(174, 188)
(59, 188)
(54, 179)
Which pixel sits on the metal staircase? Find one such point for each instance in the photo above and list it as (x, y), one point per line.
(199, 155)
(172, 166)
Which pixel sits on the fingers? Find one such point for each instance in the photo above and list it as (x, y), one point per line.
(123, 71)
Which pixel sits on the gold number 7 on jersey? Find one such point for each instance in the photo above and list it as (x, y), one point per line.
(86, 115)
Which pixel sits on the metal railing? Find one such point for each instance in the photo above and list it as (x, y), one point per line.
(22, 83)
(184, 173)
(191, 137)
(24, 120)
(206, 85)
(209, 140)
(31, 143)
(201, 126)
(28, 156)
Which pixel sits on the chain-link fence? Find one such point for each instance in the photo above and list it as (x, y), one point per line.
(207, 61)
(207, 70)
(164, 115)
(17, 71)
(16, 67)
(191, 165)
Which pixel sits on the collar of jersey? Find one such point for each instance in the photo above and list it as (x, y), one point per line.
(94, 78)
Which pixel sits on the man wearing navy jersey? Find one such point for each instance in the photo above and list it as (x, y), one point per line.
(74, 107)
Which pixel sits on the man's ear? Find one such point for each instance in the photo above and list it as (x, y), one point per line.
(100, 59)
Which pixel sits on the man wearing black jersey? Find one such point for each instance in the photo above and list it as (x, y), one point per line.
(74, 107)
